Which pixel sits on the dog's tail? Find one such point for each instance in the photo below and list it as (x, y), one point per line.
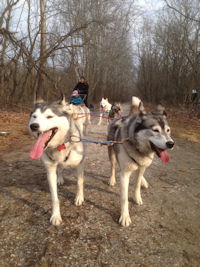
(134, 105)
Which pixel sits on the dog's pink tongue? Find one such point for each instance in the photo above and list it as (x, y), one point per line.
(37, 150)
(164, 156)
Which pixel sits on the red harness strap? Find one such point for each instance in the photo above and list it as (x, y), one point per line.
(108, 118)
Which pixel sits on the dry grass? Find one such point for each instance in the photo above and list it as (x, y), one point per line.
(16, 124)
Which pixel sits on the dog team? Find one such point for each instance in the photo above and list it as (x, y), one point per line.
(58, 128)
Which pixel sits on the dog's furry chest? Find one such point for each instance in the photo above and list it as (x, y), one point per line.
(127, 154)
(69, 157)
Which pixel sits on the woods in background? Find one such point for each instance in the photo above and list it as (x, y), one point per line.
(169, 56)
(53, 43)
(48, 45)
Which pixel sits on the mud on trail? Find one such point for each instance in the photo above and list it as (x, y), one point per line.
(165, 231)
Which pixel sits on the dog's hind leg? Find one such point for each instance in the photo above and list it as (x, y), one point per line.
(144, 183)
(60, 179)
(112, 158)
(85, 130)
(80, 180)
(137, 195)
(52, 179)
(89, 119)
(124, 219)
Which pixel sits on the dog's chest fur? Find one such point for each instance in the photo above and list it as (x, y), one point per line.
(69, 157)
(127, 153)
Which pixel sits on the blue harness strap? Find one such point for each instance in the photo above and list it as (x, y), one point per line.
(85, 140)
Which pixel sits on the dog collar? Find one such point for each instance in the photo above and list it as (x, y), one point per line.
(61, 147)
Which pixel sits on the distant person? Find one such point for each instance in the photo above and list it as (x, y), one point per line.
(194, 95)
(82, 88)
(75, 98)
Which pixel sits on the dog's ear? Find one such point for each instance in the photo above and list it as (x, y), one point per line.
(161, 110)
(141, 114)
(142, 111)
(70, 109)
(62, 100)
(37, 99)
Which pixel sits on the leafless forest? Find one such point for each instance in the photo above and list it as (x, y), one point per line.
(115, 44)
(148, 48)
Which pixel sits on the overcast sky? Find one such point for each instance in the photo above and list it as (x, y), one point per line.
(149, 8)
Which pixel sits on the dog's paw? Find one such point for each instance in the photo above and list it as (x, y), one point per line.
(56, 220)
(112, 182)
(60, 181)
(138, 199)
(125, 220)
(144, 183)
(79, 200)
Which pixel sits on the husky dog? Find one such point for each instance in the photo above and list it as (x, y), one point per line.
(115, 111)
(134, 106)
(81, 114)
(139, 137)
(54, 130)
(105, 106)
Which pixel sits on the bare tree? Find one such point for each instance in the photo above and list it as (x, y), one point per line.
(64, 40)
(169, 54)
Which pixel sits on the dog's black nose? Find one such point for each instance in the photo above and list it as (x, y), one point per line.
(34, 126)
(170, 144)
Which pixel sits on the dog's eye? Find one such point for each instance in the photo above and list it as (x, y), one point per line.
(34, 116)
(168, 130)
(156, 130)
(49, 117)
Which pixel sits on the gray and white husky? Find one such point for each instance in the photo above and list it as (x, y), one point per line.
(54, 130)
(138, 138)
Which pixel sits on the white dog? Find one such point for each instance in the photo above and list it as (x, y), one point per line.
(54, 130)
(105, 106)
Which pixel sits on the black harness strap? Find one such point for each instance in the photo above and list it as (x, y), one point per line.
(67, 156)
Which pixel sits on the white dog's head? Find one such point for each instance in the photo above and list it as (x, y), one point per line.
(105, 105)
(49, 123)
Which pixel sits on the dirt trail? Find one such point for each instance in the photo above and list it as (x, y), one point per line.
(165, 231)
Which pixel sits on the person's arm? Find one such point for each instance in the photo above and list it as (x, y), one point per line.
(76, 87)
(87, 88)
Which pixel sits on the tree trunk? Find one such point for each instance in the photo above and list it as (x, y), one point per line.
(42, 68)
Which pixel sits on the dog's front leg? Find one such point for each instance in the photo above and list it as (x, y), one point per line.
(60, 179)
(80, 179)
(140, 179)
(52, 179)
(124, 219)
(100, 117)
